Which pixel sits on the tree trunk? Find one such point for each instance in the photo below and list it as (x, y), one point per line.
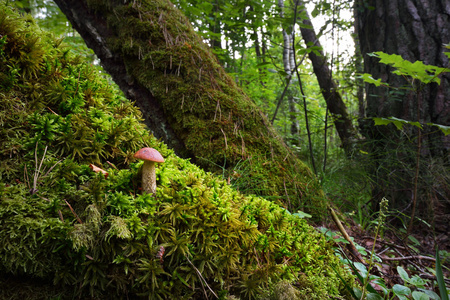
(416, 30)
(289, 68)
(188, 100)
(335, 104)
(214, 27)
(359, 68)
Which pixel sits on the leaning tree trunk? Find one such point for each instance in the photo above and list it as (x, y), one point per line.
(188, 100)
(329, 88)
(416, 30)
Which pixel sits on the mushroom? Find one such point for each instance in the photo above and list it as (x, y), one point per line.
(150, 156)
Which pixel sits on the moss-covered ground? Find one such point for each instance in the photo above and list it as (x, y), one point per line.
(67, 232)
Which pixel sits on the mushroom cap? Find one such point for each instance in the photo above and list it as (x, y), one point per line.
(149, 154)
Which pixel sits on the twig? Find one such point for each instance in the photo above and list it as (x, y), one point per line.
(411, 262)
(409, 257)
(37, 169)
(25, 176)
(351, 247)
(112, 165)
(432, 277)
(52, 111)
(385, 242)
(60, 215)
(226, 146)
(201, 278)
(74, 213)
(49, 170)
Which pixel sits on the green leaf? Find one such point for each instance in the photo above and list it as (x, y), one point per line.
(353, 290)
(361, 249)
(414, 240)
(374, 296)
(357, 292)
(420, 296)
(403, 274)
(315, 12)
(302, 214)
(181, 279)
(397, 120)
(399, 123)
(417, 281)
(417, 70)
(430, 294)
(440, 277)
(381, 121)
(399, 289)
(443, 128)
(369, 79)
(263, 64)
(283, 73)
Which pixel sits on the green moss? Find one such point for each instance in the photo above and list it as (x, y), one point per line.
(99, 237)
(219, 125)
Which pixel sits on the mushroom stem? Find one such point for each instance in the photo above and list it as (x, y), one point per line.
(149, 156)
(148, 177)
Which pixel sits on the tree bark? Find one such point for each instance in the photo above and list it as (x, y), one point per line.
(330, 92)
(188, 100)
(359, 68)
(289, 68)
(416, 30)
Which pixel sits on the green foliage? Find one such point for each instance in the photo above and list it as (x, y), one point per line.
(97, 237)
(417, 70)
(399, 123)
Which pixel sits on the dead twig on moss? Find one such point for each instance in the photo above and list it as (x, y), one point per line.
(73, 212)
(202, 280)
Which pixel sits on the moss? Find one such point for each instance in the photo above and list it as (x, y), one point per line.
(97, 237)
(219, 125)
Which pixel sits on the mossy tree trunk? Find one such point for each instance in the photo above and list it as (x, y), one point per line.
(187, 99)
(416, 30)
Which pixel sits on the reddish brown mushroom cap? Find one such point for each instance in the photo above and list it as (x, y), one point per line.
(149, 154)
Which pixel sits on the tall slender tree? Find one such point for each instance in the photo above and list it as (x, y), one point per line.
(289, 68)
(330, 90)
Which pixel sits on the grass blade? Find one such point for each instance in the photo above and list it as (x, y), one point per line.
(440, 277)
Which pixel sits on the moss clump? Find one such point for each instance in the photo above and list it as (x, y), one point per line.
(222, 129)
(101, 238)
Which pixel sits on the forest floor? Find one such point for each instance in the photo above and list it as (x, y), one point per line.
(414, 253)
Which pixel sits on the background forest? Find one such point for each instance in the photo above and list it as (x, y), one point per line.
(360, 92)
